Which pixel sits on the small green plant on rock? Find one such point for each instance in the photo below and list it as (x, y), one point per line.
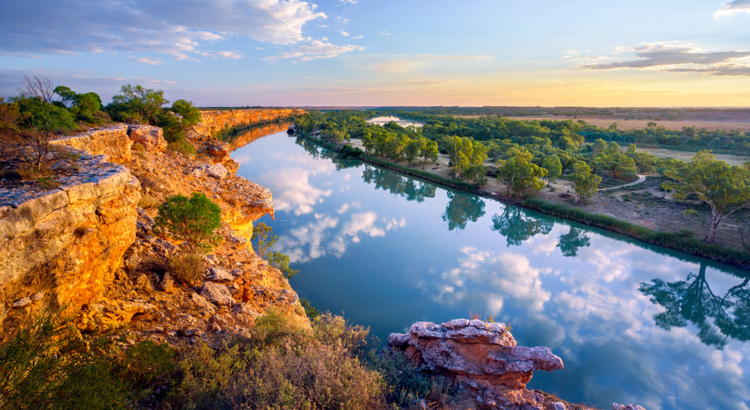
(192, 220)
(263, 240)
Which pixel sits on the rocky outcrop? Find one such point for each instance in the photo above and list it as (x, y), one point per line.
(113, 142)
(214, 121)
(152, 138)
(66, 242)
(481, 358)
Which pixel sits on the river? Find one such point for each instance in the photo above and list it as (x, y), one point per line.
(633, 323)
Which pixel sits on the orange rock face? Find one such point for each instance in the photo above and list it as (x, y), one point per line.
(213, 121)
(109, 141)
(67, 242)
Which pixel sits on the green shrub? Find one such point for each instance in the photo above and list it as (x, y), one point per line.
(47, 365)
(281, 367)
(44, 117)
(311, 312)
(182, 146)
(187, 269)
(349, 152)
(192, 220)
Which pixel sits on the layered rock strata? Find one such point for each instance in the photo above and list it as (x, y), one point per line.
(110, 141)
(482, 358)
(65, 243)
(214, 121)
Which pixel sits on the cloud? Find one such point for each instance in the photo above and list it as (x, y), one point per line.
(149, 61)
(350, 1)
(728, 9)
(20, 55)
(230, 54)
(357, 38)
(344, 33)
(384, 33)
(140, 25)
(677, 58)
(314, 50)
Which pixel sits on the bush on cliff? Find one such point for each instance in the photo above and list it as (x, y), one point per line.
(279, 366)
(192, 220)
(48, 365)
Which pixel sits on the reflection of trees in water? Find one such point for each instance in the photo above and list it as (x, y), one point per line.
(396, 184)
(692, 300)
(461, 209)
(310, 147)
(517, 227)
(320, 153)
(570, 242)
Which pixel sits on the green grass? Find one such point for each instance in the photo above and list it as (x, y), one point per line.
(682, 241)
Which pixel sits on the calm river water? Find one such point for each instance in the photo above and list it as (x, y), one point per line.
(633, 323)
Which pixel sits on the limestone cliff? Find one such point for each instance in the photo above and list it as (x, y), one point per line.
(61, 247)
(88, 246)
(214, 121)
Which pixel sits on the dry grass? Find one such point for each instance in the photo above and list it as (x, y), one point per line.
(187, 269)
(642, 124)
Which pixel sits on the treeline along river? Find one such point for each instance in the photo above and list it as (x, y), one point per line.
(633, 323)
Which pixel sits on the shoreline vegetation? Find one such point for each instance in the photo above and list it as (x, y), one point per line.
(681, 241)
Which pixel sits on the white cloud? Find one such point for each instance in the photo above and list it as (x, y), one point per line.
(350, 1)
(314, 50)
(730, 8)
(140, 25)
(149, 61)
(344, 33)
(384, 33)
(230, 54)
(357, 37)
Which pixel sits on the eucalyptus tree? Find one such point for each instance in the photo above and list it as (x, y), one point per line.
(585, 184)
(519, 174)
(725, 188)
(554, 168)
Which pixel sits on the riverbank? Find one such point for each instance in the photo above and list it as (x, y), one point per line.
(640, 212)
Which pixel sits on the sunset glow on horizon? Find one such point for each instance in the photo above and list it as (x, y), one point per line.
(388, 53)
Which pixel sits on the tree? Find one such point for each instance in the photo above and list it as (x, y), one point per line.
(554, 168)
(263, 239)
(717, 316)
(429, 151)
(620, 164)
(44, 117)
(599, 146)
(67, 96)
(585, 184)
(137, 104)
(190, 114)
(725, 188)
(516, 226)
(192, 220)
(466, 156)
(412, 150)
(570, 242)
(37, 87)
(461, 209)
(519, 174)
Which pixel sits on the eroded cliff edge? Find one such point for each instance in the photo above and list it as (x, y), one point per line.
(87, 246)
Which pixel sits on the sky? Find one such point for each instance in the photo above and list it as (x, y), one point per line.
(387, 52)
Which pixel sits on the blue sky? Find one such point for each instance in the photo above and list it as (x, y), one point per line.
(367, 52)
